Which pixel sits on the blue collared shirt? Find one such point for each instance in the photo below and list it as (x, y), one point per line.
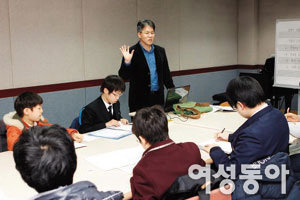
(150, 57)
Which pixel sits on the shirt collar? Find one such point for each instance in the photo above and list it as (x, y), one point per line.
(158, 144)
(264, 106)
(144, 50)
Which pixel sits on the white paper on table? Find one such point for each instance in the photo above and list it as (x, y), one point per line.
(110, 133)
(181, 91)
(88, 138)
(225, 146)
(117, 159)
(79, 145)
(221, 108)
(295, 129)
(128, 169)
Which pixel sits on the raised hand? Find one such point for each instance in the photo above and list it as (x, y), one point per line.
(126, 54)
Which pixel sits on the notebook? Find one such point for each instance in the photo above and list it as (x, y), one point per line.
(176, 95)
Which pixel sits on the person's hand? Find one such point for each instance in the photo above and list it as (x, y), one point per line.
(127, 196)
(222, 136)
(77, 137)
(124, 121)
(209, 161)
(208, 147)
(112, 122)
(291, 117)
(126, 54)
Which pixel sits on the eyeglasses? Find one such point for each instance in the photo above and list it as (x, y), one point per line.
(117, 95)
(148, 33)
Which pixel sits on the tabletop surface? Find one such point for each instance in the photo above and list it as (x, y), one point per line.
(197, 131)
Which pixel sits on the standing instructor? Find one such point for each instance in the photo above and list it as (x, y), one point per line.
(146, 66)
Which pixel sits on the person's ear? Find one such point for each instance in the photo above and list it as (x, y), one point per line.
(26, 111)
(144, 142)
(139, 34)
(241, 105)
(105, 91)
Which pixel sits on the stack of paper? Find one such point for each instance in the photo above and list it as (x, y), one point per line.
(221, 108)
(112, 132)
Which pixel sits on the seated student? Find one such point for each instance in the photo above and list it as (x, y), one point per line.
(46, 160)
(28, 113)
(105, 110)
(264, 134)
(163, 160)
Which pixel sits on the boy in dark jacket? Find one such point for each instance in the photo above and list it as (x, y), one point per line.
(46, 160)
(105, 110)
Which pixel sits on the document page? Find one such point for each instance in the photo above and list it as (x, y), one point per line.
(295, 129)
(225, 146)
(111, 133)
(117, 159)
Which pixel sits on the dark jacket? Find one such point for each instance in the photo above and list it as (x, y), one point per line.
(83, 190)
(3, 138)
(160, 165)
(270, 188)
(264, 134)
(138, 74)
(95, 115)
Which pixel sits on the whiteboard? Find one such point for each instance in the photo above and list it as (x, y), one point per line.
(287, 54)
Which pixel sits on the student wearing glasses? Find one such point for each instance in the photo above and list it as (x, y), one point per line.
(145, 65)
(264, 134)
(105, 110)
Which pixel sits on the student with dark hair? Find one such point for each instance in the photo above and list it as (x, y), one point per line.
(46, 160)
(28, 113)
(105, 110)
(264, 134)
(146, 66)
(163, 160)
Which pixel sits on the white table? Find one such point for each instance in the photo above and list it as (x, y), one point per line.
(13, 187)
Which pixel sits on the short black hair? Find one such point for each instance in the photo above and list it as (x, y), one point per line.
(113, 83)
(151, 123)
(246, 90)
(142, 23)
(27, 100)
(45, 157)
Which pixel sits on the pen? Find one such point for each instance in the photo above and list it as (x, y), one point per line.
(223, 130)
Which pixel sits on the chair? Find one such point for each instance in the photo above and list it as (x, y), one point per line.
(77, 121)
(3, 137)
(216, 194)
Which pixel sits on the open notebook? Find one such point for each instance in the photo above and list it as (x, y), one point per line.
(225, 146)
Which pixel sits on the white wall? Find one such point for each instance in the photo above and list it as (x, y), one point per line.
(269, 11)
(247, 31)
(53, 41)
